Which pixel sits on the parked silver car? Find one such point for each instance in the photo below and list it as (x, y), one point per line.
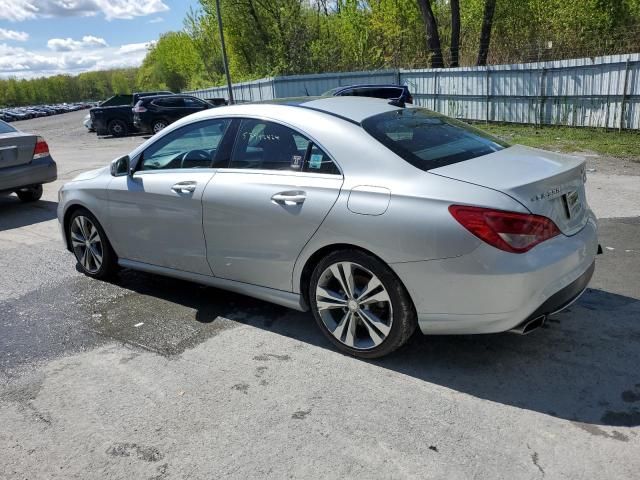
(376, 217)
(25, 163)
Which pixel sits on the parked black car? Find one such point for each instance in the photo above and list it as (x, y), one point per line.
(390, 92)
(118, 120)
(152, 114)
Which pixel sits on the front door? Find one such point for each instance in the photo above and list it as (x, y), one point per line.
(261, 210)
(156, 213)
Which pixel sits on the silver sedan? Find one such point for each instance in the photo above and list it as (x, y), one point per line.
(376, 217)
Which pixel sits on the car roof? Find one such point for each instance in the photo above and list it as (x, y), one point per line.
(298, 112)
(353, 109)
(370, 85)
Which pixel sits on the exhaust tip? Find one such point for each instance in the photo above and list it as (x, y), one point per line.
(529, 326)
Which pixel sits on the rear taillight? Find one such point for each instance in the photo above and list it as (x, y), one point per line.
(509, 231)
(41, 150)
(139, 108)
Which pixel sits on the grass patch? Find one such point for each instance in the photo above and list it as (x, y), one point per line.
(625, 144)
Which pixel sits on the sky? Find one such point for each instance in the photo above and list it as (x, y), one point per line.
(48, 37)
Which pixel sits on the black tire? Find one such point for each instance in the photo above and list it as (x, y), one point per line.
(30, 194)
(117, 128)
(403, 312)
(158, 125)
(109, 263)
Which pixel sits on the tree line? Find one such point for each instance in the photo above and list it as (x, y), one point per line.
(67, 88)
(285, 37)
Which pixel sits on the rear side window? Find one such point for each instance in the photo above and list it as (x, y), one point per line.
(429, 140)
(193, 102)
(6, 128)
(318, 162)
(267, 145)
(170, 102)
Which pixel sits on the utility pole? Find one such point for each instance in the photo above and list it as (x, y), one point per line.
(224, 52)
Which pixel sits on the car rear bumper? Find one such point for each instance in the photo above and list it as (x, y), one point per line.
(36, 172)
(489, 291)
(142, 124)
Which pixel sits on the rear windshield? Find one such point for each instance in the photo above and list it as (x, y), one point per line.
(6, 128)
(429, 140)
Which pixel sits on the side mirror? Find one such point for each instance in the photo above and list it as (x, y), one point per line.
(120, 166)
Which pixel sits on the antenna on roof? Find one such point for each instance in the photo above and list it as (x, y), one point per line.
(398, 102)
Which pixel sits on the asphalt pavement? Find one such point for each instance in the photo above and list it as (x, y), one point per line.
(149, 377)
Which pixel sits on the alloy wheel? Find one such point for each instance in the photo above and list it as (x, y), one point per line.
(354, 305)
(86, 243)
(158, 126)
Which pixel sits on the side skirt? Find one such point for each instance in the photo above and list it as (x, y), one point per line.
(279, 297)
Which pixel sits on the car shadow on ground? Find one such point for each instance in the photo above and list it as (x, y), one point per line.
(15, 213)
(582, 366)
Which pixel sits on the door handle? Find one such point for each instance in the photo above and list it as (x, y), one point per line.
(184, 187)
(289, 198)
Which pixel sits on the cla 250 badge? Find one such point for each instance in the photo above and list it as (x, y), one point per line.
(554, 192)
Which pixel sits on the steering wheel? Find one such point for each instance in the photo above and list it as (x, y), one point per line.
(199, 156)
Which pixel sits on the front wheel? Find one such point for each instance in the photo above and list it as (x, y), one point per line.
(90, 245)
(30, 194)
(360, 304)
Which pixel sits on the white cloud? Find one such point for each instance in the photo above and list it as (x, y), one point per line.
(22, 63)
(13, 35)
(135, 48)
(19, 10)
(69, 44)
(156, 20)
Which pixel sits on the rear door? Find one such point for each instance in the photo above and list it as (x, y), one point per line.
(16, 148)
(262, 209)
(172, 108)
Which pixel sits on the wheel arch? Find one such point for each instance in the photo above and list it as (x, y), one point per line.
(67, 217)
(318, 255)
(69, 210)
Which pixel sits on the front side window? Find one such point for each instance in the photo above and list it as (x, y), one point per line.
(429, 140)
(192, 146)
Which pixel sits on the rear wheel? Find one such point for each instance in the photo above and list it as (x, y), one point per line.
(30, 194)
(90, 245)
(158, 125)
(117, 128)
(360, 304)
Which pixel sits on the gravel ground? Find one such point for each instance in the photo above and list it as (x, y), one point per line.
(215, 384)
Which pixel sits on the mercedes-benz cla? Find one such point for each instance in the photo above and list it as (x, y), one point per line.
(379, 218)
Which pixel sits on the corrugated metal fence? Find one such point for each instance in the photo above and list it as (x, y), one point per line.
(593, 92)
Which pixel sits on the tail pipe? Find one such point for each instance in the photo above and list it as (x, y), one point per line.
(529, 326)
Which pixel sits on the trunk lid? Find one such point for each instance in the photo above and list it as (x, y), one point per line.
(16, 148)
(546, 183)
